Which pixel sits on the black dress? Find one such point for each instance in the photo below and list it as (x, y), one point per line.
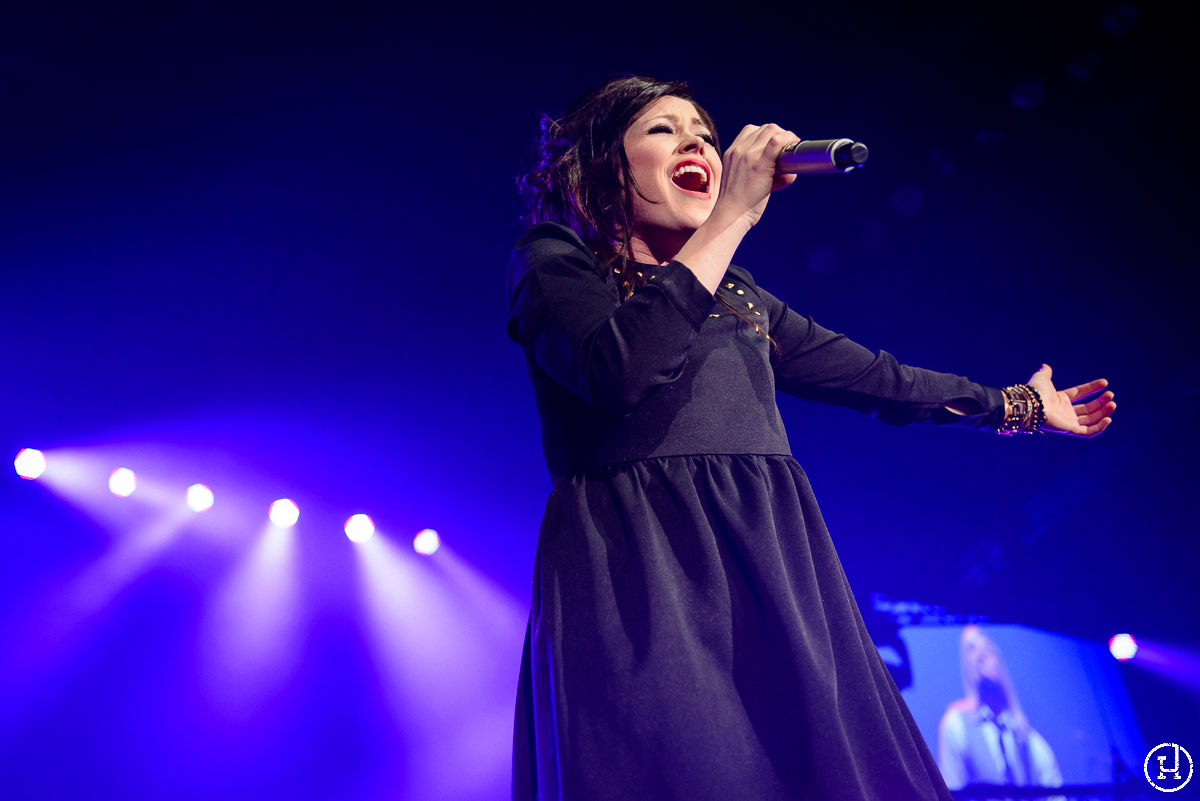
(692, 633)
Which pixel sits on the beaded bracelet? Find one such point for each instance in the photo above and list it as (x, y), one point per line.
(1023, 410)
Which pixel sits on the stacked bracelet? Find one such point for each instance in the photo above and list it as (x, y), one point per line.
(1023, 410)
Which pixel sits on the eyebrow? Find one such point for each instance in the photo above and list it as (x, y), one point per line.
(675, 118)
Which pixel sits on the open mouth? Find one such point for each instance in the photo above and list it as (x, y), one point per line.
(691, 176)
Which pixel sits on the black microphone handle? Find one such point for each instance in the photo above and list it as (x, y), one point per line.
(821, 155)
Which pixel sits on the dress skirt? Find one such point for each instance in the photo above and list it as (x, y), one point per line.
(693, 637)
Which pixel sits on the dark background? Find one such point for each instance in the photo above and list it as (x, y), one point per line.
(273, 241)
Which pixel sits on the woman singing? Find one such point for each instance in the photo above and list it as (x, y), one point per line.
(692, 633)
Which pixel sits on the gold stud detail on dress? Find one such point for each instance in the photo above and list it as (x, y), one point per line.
(652, 277)
(741, 292)
(729, 286)
(639, 273)
(714, 315)
(758, 314)
(749, 305)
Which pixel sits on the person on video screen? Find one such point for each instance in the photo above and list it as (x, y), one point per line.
(985, 738)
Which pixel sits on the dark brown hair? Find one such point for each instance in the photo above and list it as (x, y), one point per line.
(580, 171)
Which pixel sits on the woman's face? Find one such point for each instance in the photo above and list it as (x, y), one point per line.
(677, 169)
(981, 655)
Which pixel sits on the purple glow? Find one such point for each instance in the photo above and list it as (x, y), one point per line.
(81, 477)
(122, 482)
(427, 542)
(129, 557)
(30, 463)
(430, 625)
(1123, 646)
(250, 630)
(284, 513)
(1179, 664)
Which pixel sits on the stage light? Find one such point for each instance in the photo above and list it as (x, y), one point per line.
(427, 542)
(284, 513)
(122, 482)
(199, 498)
(1123, 647)
(30, 463)
(359, 528)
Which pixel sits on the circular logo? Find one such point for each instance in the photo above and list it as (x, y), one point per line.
(1168, 767)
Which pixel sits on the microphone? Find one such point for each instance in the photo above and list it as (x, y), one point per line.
(821, 155)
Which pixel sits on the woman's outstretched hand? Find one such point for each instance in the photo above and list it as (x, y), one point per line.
(1066, 413)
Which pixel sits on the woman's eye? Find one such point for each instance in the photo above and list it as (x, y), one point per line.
(662, 127)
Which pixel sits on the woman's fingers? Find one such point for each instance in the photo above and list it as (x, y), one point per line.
(778, 142)
(1093, 417)
(774, 140)
(781, 181)
(748, 176)
(1086, 423)
(1095, 411)
(1064, 416)
(1085, 431)
(761, 142)
(1096, 404)
(746, 134)
(767, 144)
(1096, 408)
(1100, 400)
(1083, 390)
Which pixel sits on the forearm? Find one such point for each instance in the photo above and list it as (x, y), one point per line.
(710, 249)
(815, 363)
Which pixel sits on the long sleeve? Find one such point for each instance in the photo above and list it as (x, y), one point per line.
(817, 364)
(671, 372)
(565, 313)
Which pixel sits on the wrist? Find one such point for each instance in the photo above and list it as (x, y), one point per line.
(724, 221)
(710, 249)
(1024, 411)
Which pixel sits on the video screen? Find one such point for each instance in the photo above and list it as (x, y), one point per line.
(1012, 705)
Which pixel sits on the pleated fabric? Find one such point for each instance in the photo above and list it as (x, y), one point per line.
(693, 636)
